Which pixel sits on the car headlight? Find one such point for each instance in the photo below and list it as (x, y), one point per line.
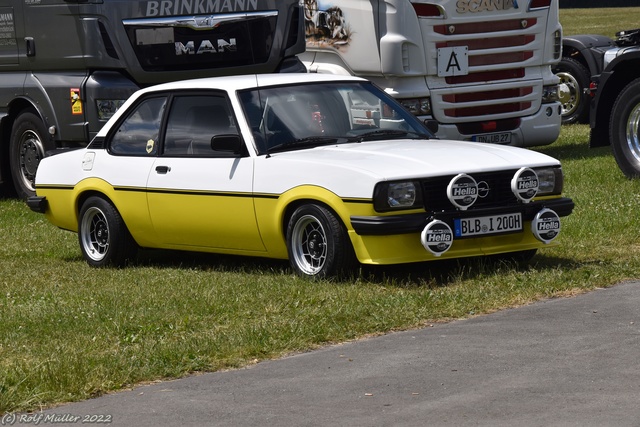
(397, 195)
(550, 180)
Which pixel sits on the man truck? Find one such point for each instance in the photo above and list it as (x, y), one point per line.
(67, 65)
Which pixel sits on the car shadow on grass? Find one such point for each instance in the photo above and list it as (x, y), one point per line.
(577, 151)
(437, 273)
(442, 273)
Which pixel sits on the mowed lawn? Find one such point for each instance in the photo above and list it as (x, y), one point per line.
(70, 332)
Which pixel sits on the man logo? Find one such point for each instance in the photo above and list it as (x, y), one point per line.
(206, 46)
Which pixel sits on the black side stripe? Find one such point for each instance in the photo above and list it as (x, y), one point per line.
(195, 193)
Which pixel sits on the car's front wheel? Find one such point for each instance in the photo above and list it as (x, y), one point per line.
(624, 127)
(318, 243)
(103, 236)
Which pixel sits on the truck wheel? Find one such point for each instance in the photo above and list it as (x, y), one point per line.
(317, 243)
(574, 79)
(103, 236)
(27, 148)
(624, 127)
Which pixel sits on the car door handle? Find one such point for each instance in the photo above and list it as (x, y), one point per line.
(163, 169)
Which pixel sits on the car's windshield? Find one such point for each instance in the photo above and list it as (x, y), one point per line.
(308, 115)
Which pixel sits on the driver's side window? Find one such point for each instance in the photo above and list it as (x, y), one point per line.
(138, 134)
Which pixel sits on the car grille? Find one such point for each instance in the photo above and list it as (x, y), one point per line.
(435, 198)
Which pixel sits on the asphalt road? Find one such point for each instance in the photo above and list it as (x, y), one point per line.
(560, 362)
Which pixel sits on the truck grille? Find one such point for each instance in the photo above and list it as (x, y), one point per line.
(495, 57)
(234, 41)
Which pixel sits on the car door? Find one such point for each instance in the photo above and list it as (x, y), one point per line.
(198, 196)
(132, 150)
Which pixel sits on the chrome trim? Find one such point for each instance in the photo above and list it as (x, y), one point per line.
(199, 22)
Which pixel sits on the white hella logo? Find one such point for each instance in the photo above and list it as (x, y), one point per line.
(464, 6)
(206, 47)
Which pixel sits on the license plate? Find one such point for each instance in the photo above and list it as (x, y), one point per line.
(494, 138)
(486, 225)
(453, 61)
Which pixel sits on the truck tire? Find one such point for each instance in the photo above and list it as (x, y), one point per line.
(575, 78)
(27, 148)
(624, 127)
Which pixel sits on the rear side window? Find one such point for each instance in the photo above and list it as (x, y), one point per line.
(138, 134)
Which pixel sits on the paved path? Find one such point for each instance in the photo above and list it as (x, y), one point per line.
(561, 362)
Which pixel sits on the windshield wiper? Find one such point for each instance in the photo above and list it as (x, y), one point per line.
(310, 141)
(381, 133)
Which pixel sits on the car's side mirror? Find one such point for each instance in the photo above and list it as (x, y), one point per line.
(230, 144)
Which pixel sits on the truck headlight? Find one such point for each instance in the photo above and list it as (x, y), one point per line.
(108, 107)
(397, 195)
(417, 106)
(550, 94)
(550, 181)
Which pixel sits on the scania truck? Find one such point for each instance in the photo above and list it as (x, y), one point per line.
(480, 68)
(67, 65)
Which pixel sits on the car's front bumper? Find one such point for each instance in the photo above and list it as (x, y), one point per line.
(396, 239)
(411, 223)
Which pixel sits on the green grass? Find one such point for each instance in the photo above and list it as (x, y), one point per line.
(604, 21)
(70, 332)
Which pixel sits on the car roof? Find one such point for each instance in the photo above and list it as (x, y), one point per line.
(230, 84)
(234, 83)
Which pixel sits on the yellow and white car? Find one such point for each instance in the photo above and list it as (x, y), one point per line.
(326, 171)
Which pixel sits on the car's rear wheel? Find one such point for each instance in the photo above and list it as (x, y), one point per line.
(318, 243)
(624, 130)
(103, 236)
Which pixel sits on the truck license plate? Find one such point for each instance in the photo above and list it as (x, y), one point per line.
(486, 225)
(494, 138)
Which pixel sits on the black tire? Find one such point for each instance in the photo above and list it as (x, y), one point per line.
(29, 142)
(624, 127)
(575, 78)
(103, 236)
(318, 244)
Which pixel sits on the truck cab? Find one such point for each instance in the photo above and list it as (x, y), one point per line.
(67, 65)
(481, 69)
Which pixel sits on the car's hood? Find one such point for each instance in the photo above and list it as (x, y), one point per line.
(418, 158)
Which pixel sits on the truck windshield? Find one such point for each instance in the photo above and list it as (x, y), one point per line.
(307, 115)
